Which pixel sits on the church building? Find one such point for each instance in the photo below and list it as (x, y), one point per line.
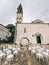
(36, 32)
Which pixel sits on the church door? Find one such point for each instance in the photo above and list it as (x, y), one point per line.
(38, 39)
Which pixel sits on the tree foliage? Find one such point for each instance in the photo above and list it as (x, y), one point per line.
(11, 27)
(10, 39)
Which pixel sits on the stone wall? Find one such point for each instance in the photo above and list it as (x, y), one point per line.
(4, 32)
(31, 31)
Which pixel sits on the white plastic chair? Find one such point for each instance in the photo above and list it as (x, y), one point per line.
(46, 55)
(9, 58)
(39, 55)
(8, 52)
(10, 47)
(4, 50)
(2, 55)
(33, 48)
(13, 48)
(33, 51)
(18, 49)
(15, 52)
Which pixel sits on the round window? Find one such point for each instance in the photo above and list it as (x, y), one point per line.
(24, 41)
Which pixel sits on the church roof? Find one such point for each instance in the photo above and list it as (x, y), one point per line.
(37, 21)
(20, 9)
(3, 27)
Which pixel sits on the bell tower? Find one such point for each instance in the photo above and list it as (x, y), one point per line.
(19, 19)
(19, 14)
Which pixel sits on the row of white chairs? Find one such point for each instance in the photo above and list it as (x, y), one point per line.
(8, 53)
(40, 52)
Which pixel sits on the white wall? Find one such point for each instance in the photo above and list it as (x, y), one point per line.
(33, 29)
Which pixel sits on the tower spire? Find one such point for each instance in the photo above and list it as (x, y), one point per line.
(19, 14)
(20, 9)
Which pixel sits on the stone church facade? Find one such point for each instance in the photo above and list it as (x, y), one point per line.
(36, 32)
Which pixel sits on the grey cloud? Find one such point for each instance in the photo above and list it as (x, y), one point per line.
(39, 9)
(33, 9)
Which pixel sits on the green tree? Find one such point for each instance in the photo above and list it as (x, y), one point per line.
(11, 27)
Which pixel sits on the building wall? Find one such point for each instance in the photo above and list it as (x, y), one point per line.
(4, 32)
(31, 31)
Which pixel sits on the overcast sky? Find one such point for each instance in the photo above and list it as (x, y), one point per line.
(32, 10)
